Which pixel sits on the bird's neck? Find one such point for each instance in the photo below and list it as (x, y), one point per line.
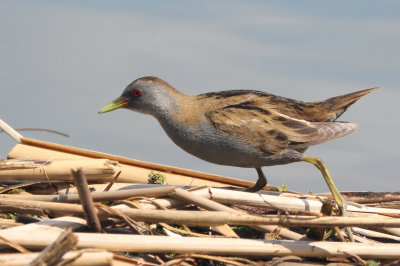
(178, 110)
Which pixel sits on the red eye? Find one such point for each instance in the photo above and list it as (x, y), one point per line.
(137, 92)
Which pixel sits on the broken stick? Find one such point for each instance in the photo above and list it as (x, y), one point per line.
(86, 199)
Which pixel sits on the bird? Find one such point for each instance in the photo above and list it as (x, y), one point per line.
(242, 128)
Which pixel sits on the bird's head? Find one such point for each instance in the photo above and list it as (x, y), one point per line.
(148, 95)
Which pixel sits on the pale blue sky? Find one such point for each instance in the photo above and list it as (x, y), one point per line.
(61, 61)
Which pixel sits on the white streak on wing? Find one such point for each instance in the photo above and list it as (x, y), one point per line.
(254, 120)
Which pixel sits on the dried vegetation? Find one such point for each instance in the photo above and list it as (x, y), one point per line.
(66, 206)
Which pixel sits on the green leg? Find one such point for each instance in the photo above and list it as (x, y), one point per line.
(335, 192)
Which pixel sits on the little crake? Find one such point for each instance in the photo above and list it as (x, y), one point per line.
(243, 128)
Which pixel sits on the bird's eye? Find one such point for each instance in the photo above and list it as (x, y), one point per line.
(137, 93)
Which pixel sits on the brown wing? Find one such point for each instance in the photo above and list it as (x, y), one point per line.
(272, 123)
(264, 129)
(272, 132)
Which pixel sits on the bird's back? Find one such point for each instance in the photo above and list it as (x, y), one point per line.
(320, 111)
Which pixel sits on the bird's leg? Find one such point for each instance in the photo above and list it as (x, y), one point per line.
(335, 192)
(261, 182)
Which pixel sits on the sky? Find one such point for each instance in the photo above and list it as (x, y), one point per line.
(61, 61)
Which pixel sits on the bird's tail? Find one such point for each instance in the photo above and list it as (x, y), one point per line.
(336, 106)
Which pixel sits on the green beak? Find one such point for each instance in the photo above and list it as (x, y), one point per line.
(114, 105)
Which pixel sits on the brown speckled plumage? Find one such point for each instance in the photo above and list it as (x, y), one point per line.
(273, 123)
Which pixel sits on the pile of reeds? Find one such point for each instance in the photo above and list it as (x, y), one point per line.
(157, 224)
(66, 206)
